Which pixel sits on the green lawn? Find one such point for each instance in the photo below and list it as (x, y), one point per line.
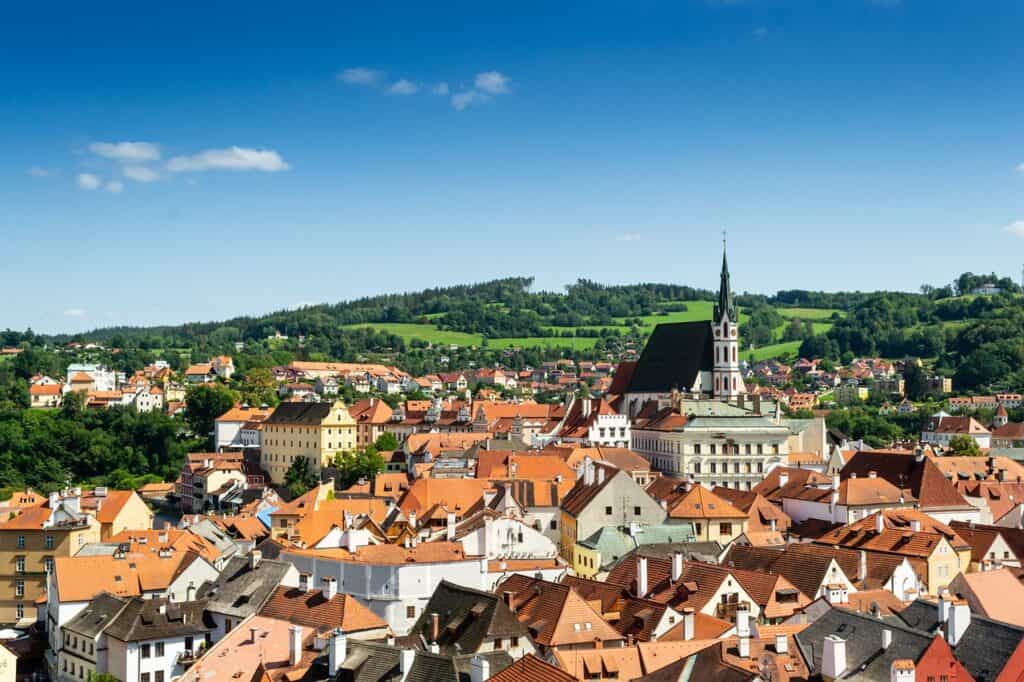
(575, 342)
(427, 332)
(809, 313)
(774, 350)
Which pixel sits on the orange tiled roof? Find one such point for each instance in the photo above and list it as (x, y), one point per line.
(314, 610)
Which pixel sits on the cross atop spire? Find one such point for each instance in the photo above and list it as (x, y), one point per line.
(725, 305)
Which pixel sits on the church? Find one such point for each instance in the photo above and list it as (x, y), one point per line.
(699, 359)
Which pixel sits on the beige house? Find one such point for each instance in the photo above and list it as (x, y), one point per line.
(314, 431)
(713, 517)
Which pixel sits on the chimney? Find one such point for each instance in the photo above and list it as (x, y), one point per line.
(412, 519)
(743, 621)
(254, 559)
(408, 657)
(330, 587)
(872, 474)
(677, 566)
(783, 478)
(862, 568)
(944, 606)
(773, 524)
(294, 644)
(959, 621)
(835, 481)
(600, 475)
(688, 623)
(338, 651)
(450, 527)
(886, 639)
(902, 670)
(743, 645)
(435, 627)
(833, 657)
(915, 525)
(879, 522)
(781, 645)
(480, 669)
(641, 576)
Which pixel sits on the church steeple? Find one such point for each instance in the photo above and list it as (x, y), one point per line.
(725, 306)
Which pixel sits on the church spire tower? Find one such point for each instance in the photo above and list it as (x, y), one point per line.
(726, 378)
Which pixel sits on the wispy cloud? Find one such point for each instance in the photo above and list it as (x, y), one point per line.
(361, 75)
(141, 174)
(231, 158)
(37, 172)
(627, 237)
(88, 181)
(440, 89)
(403, 87)
(1015, 228)
(74, 312)
(1020, 168)
(115, 186)
(491, 82)
(126, 151)
(461, 100)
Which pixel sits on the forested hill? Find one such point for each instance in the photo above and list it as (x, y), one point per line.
(976, 337)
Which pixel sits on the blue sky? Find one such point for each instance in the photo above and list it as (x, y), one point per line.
(308, 152)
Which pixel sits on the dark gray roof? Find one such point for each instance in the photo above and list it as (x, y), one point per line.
(373, 662)
(674, 356)
(984, 648)
(239, 590)
(97, 615)
(692, 551)
(865, 658)
(466, 618)
(146, 619)
(310, 414)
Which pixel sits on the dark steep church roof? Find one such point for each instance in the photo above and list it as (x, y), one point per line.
(674, 356)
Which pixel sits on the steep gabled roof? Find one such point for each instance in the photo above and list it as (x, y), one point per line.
(674, 356)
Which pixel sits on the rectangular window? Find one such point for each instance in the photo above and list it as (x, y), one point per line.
(607, 511)
(636, 511)
(19, 564)
(145, 651)
(725, 529)
(554, 524)
(159, 648)
(19, 588)
(49, 542)
(410, 611)
(48, 564)
(21, 542)
(697, 527)
(144, 677)
(159, 676)
(714, 468)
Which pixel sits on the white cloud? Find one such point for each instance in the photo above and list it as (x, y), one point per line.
(126, 151)
(361, 76)
(441, 89)
(1020, 168)
(74, 312)
(231, 158)
(628, 237)
(1015, 228)
(403, 87)
(461, 100)
(141, 174)
(115, 186)
(491, 82)
(37, 172)
(88, 181)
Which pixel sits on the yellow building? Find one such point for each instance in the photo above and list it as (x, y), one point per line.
(315, 431)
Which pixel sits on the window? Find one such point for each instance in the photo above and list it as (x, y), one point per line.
(714, 468)
(696, 448)
(725, 529)
(21, 542)
(20, 611)
(49, 542)
(696, 467)
(19, 588)
(554, 524)
(607, 511)
(159, 676)
(159, 649)
(697, 527)
(410, 611)
(19, 564)
(497, 644)
(144, 677)
(48, 564)
(636, 511)
(145, 651)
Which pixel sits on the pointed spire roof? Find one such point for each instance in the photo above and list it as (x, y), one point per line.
(724, 305)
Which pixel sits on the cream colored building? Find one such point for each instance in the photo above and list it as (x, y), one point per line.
(315, 431)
